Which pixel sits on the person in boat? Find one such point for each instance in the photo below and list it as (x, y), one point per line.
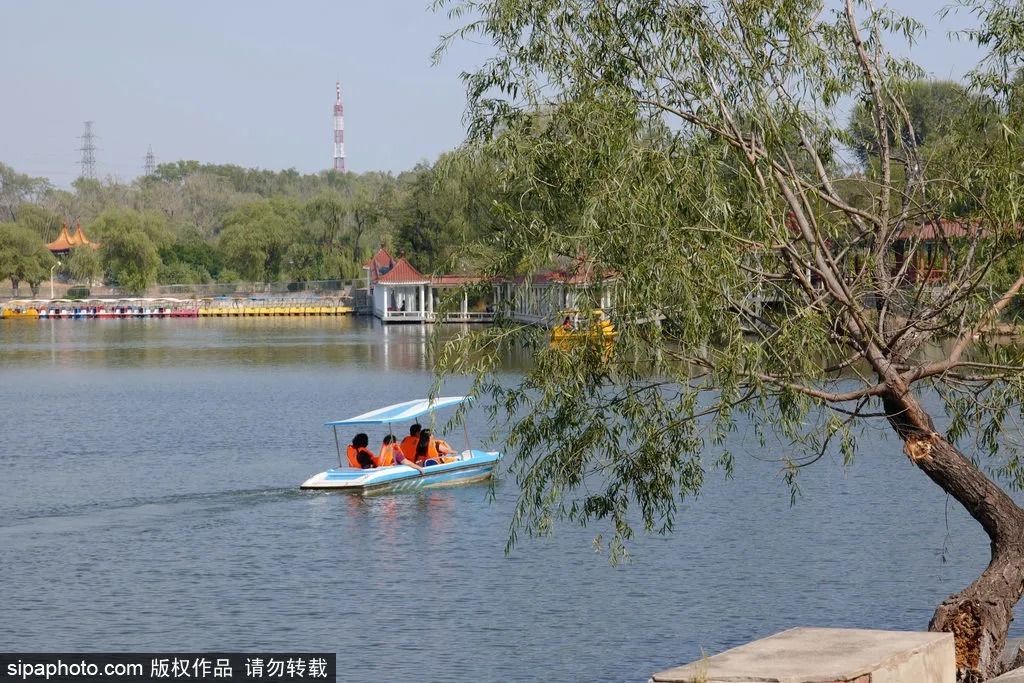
(567, 324)
(409, 443)
(391, 454)
(431, 451)
(359, 456)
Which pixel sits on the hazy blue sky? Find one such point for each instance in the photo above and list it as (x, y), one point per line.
(251, 82)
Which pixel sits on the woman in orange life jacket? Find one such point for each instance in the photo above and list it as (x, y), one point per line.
(391, 454)
(359, 456)
(429, 450)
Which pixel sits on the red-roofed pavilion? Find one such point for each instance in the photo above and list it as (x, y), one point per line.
(400, 293)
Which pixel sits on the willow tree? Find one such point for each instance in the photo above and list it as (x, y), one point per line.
(684, 152)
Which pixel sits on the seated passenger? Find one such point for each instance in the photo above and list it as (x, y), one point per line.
(429, 451)
(387, 451)
(391, 454)
(409, 443)
(359, 456)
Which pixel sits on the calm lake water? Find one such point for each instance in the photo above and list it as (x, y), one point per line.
(149, 501)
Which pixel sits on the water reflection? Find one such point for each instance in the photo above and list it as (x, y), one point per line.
(246, 342)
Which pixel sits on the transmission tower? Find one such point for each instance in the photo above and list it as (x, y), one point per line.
(150, 167)
(88, 150)
(339, 131)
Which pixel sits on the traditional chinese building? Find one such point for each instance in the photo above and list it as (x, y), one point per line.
(69, 239)
(401, 294)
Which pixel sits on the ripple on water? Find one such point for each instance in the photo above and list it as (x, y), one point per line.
(148, 501)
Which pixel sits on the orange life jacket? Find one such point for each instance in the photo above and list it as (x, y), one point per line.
(353, 456)
(408, 447)
(435, 448)
(420, 459)
(387, 455)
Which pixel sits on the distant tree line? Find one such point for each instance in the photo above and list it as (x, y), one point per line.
(190, 222)
(193, 223)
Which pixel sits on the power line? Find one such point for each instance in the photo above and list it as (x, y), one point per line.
(88, 150)
(150, 167)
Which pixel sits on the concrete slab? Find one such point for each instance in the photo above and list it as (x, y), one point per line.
(827, 655)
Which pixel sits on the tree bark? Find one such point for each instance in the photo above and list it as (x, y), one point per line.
(979, 616)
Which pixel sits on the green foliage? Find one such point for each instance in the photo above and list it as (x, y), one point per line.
(17, 189)
(936, 110)
(23, 256)
(256, 237)
(444, 208)
(129, 249)
(333, 221)
(77, 293)
(181, 273)
(684, 153)
(303, 262)
(40, 220)
(84, 264)
(228, 276)
(198, 260)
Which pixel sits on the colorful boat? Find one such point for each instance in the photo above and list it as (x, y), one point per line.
(577, 329)
(468, 466)
(19, 314)
(69, 309)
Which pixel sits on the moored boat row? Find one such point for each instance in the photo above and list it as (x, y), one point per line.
(67, 309)
(55, 309)
(263, 311)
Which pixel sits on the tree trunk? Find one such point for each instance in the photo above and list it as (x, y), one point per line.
(979, 616)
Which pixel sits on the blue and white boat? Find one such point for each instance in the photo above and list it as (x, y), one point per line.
(468, 466)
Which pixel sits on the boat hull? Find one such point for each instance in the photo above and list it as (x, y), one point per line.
(10, 314)
(472, 466)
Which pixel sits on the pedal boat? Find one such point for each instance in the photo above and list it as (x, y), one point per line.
(466, 467)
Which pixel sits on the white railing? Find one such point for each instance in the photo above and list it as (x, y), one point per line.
(430, 317)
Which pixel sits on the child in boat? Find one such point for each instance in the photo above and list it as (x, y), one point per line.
(359, 456)
(391, 454)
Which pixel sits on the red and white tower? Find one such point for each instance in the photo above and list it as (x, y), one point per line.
(339, 132)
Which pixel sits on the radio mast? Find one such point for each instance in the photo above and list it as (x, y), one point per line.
(339, 131)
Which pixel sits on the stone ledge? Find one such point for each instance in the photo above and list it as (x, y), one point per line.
(827, 655)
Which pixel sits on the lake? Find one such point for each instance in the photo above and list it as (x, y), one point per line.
(149, 502)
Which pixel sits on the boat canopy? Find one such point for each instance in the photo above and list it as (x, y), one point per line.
(401, 412)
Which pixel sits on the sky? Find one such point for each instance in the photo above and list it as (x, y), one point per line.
(252, 82)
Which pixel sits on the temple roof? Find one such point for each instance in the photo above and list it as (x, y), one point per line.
(380, 264)
(67, 240)
(402, 273)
